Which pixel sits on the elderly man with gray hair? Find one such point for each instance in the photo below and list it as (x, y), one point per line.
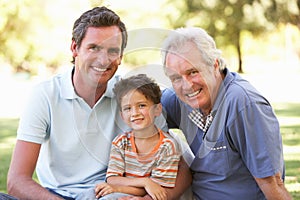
(230, 127)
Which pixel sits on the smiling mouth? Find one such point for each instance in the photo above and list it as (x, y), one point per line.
(190, 95)
(136, 119)
(100, 69)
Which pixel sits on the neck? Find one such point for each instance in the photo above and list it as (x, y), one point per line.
(89, 92)
(214, 93)
(146, 133)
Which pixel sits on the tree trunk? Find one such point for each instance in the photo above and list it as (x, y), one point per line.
(239, 51)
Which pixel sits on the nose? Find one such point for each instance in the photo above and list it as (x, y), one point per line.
(103, 58)
(186, 83)
(135, 111)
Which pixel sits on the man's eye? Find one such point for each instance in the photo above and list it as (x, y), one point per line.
(175, 79)
(194, 72)
(114, 52)
(94, 48)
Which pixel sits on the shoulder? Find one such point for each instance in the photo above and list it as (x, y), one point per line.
(110, 85)
(56, 84)
(242, 93)
(168, 94)
(169, 144)
(122, 139)
(171, 102)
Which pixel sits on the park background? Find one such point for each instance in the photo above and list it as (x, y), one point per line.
(259, 38)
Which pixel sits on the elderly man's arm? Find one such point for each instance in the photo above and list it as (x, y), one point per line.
(183, 181)
(273, 187)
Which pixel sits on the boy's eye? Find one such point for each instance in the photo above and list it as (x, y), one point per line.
(126, 109)
(142, 105)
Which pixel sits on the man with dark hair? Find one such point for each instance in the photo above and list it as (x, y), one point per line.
(69, 123)
(64, 117)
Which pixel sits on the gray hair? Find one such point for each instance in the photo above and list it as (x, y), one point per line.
(204, 42)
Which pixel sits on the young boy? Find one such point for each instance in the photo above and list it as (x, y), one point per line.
(145, 159)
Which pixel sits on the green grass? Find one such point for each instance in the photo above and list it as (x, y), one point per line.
(8, 129)
(289, 118)
(288, 115)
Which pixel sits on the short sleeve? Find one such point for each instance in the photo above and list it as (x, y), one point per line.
(165, 171)
(258, 139)
(35, 120)
(116, 165)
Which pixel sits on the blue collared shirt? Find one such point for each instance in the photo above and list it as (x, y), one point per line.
(242, 142)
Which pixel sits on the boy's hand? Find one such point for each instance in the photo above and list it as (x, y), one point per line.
(155, 190)
(103, 189)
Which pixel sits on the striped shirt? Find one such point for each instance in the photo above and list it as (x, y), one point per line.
(161, 164)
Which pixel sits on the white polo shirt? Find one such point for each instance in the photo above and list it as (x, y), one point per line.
(75, 138)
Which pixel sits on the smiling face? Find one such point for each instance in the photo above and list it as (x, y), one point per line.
(194, 82)
(138, 112)
(98, 57)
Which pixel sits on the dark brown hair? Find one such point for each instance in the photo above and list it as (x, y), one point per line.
(98, 17)
(142, 84)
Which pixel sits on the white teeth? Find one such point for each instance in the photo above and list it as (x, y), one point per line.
(99, 69)
(193, 94)
(132, 120)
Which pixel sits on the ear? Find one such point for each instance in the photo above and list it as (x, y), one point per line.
(216, 67)
(121, 114)
(119, 61)
(158, 110)
(74, 49)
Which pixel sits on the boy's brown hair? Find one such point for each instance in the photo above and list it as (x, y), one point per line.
(140, 83)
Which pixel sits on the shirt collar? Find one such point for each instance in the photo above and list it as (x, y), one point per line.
(67, 90)
(204, 122)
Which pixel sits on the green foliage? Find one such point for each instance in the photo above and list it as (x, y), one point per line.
(15, 46)
(226, 20)
(36, 33)
(283, 11)
(33, 33)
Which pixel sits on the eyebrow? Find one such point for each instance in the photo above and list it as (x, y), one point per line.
(100, 46)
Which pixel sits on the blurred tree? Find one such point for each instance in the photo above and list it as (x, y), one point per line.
(227, 20)
(34, 35)
(283, 11)
(15, 47)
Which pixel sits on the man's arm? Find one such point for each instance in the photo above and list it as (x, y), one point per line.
(19, 179)
(183, 181)
(273, 187)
